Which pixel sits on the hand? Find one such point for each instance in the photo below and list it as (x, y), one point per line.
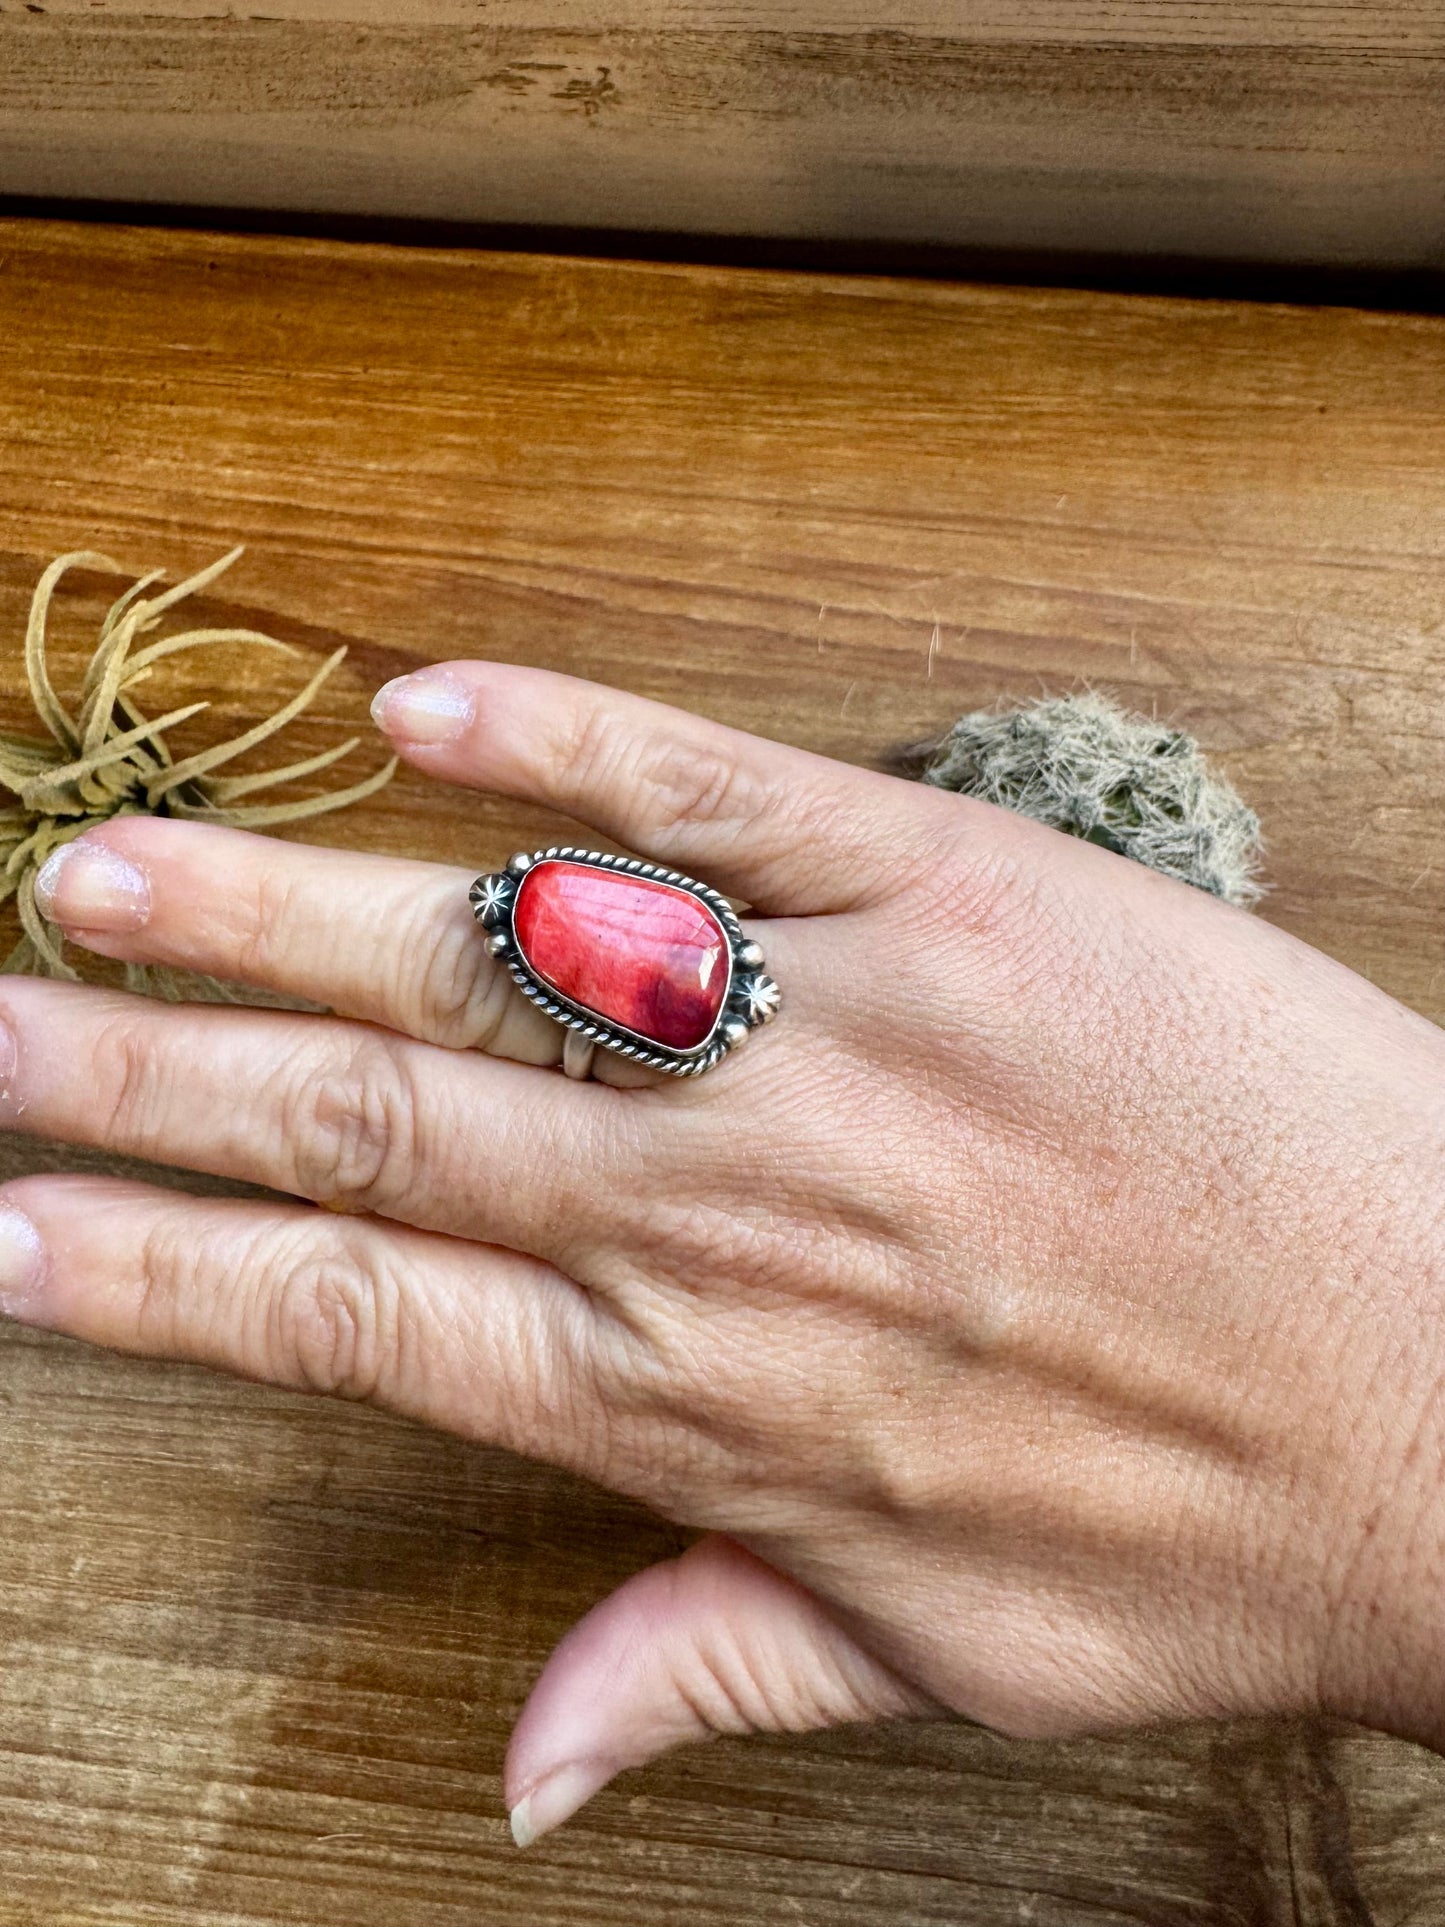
(1041, 1318)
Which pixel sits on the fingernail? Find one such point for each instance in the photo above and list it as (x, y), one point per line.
(91, 887)
(9, 1059)
(426, 708)
(556, 1798)
(22, 1259)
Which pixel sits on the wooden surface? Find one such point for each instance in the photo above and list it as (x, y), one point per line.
(1297, 130)
(260, 1653)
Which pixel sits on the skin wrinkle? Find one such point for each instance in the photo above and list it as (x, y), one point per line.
(141, 1087)
(697, 1242)
(722, 1423)
(1034, 1668)
(1102, 1605)
(550, 1371)
(1147, 1414)
(481, 998)
(962, 872)
(357, 1127)
(272, 909)
(1351, 1590)
(726, 1708)
(674, 785)
(985, 893)
(160, 1251)
(329, 1319)
(460, 997)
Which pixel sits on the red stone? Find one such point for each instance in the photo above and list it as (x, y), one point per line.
(644, 955)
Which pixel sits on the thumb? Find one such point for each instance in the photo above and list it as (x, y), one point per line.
(713, 1642)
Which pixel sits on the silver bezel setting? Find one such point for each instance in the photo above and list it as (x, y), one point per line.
(751, 998)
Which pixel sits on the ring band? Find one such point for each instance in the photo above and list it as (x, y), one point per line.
(644, 961)
(577, 1054)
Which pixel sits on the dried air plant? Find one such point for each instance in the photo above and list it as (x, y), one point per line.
(107, 758)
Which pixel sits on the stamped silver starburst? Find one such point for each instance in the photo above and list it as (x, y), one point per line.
(761, 998)
(490, 897)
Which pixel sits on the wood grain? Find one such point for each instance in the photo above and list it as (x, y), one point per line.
(1306, 131)
(261, 1654)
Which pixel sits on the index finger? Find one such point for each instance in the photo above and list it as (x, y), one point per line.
(788, 831)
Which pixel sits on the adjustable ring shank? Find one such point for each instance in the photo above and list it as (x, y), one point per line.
(577, 1054)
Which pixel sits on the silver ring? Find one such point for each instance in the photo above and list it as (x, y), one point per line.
(644, 961)
(577, 1054)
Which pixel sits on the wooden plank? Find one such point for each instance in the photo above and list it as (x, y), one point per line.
(262, 1653)
(1246, 129)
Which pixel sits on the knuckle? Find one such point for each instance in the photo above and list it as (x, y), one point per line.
(353, 1127)
(685, 784)
(161, 1258)
(462, 994)
(136, 1078)
(587, 750)
(671, 780)
(1003, 893)
(263, 919)
(336, 1324)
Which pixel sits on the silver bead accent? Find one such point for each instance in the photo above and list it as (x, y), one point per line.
(497, 943)
(750, 955)
(734, 1032)
(518, 865)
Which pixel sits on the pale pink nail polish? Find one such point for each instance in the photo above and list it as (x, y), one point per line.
(427, 708)
(22, 1262)
(557, 1796)
(89, 887)
(10, 1105)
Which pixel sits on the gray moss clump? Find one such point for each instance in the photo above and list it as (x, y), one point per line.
(1083, 765)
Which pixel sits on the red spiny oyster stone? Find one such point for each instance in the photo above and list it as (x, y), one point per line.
(644, 955)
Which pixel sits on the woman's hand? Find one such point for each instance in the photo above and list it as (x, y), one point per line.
(1042, 1317)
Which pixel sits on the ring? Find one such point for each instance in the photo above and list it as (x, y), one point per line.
(641, 960)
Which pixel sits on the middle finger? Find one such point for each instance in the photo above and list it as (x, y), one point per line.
(380, 938)
(346, 1114)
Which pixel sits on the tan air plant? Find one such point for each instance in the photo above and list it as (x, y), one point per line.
(110, 759)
